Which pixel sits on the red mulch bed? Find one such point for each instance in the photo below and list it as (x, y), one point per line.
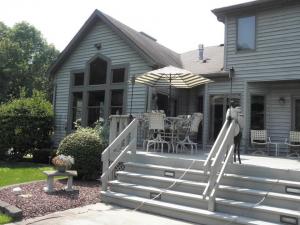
(38, 203)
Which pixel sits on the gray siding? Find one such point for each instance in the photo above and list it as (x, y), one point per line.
(114, 48)
(277, 46)
(276, 58)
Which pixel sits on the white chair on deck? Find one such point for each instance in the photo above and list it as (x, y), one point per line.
(260, 138)
(293, 142)
(157, 129)
(195, 120)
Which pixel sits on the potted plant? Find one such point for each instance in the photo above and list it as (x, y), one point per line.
(63, 162)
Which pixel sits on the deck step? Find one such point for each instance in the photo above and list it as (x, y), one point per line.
(190, 214)
(161, 182)
(239, 208)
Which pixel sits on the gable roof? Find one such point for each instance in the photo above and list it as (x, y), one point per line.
(148, 48)
(212, 64)
(252, 5)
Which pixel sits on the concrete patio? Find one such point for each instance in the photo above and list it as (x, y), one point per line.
(100, 214)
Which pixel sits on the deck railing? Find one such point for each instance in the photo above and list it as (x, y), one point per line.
(123, 139)
(219, 157)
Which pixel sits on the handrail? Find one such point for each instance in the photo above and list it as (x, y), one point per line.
(106, 176)
(216, 146)
(212, 196)
(130, 132)
(217, 161)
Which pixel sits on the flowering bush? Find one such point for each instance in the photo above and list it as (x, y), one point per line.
(63, 161)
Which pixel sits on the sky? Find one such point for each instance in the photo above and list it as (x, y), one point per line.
(180, 25)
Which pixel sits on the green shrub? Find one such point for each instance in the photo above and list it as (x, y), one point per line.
(43, 155)
(26, 124)
(85, 146)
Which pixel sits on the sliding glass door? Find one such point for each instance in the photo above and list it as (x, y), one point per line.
(218, 107)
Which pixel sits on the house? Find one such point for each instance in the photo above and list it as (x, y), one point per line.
(115, 52)
(260, 54)
(261, 46)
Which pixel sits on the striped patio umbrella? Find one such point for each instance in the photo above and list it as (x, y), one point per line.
(171, 76)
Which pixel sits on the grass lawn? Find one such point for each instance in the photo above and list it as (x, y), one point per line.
(5, 219)
(20, 172)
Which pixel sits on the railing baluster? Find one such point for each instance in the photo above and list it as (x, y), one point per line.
(125, 132)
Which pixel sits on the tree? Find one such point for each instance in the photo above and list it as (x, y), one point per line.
(24, 59)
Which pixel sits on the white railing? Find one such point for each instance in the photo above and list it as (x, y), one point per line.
(212, 196)
(222, 150)
(215, 148)
(119, 146)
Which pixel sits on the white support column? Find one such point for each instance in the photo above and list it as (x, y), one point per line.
(205, 117)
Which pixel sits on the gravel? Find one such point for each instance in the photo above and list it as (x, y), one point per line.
(34, 202)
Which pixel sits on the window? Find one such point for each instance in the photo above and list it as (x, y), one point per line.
(116, 102)
(78, 79)
(89, 91)
(297, 114)
(98, 69)
(118, 75)
(95, 106)
(257, 112)
(246, 33)
(76, 108)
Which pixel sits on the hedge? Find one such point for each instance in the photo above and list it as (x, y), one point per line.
(26, 124)
(85, 146)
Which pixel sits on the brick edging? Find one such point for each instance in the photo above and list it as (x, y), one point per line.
(11, 210)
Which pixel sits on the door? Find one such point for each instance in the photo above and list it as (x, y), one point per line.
(296, 114)
(218, 107)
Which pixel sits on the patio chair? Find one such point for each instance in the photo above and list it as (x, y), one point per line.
(156, 131)
(293, 143)
(194, 122)
(259, 138)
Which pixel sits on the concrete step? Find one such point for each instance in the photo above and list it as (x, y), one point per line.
(172, 160)
(260, 212)
(150, 192)
(239, 208)
(166, 171)
(190, 214)
(250, 182)
(161, 182)
(287, 201)
(262, 183)
(183, 161)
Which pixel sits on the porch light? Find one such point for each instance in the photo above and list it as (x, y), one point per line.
(281, 100)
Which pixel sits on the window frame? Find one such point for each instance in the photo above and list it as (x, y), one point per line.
(86, 88)
(236, 35)
(293, 121)
(265, 109)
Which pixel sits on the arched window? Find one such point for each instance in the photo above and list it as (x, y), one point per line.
(98, 70)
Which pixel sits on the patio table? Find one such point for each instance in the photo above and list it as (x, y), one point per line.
(173, 121)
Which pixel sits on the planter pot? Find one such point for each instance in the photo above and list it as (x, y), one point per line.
(61, 169)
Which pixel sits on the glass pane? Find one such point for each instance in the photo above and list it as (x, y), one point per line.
(78, 79)
(95, 106)
(297, 114)
(76, 108)
(118, 75)
(217, 114)
(98, 71)
(257, 112)
(116, 101)
(246, 33)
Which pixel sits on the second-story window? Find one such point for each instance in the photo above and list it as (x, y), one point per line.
(246, 33)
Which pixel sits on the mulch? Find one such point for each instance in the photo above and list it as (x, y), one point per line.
(35, 202)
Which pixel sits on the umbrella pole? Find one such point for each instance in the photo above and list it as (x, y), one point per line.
(169, 100)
